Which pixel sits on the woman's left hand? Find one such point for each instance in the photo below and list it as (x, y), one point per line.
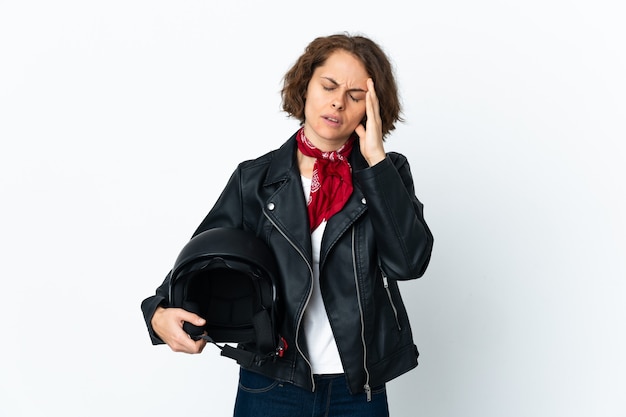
(371, 135)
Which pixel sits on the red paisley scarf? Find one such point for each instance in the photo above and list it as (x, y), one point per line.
(331, 183)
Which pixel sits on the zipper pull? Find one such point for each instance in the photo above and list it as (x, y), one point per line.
(385, 280)
(368, 392)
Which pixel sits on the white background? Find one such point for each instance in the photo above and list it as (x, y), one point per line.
(120, 122)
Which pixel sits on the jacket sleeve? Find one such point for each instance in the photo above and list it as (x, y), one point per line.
(227, 211)
(150, 304)
(403, 239)
(219, 216)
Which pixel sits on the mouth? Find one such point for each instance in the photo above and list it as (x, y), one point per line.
(332, 119)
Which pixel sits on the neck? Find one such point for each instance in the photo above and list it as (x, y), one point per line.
(322, 144)
(305, 164)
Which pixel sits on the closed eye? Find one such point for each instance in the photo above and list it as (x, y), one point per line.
(352, 97)
(354, 93)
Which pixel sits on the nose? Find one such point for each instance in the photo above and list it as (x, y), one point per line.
(338, 102)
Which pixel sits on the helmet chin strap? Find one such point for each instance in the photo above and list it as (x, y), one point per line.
(244, 357)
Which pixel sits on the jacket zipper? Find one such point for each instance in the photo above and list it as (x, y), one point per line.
(366, 386)
(393, 305)
(308, 297)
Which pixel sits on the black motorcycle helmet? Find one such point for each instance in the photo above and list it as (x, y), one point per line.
(228, 277)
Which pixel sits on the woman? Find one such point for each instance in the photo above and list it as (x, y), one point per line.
(342, 218)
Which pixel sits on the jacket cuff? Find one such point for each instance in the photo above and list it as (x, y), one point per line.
(374, 170)
(149, 306)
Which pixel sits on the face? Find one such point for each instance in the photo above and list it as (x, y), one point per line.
(335, 100)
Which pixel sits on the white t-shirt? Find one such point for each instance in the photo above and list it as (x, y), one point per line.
(318, 334)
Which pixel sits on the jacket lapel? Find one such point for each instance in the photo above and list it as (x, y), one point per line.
(353, 209)
(286, 207)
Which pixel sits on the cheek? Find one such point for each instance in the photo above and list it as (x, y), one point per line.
(356, 122)
(360, 115)
(307, 108)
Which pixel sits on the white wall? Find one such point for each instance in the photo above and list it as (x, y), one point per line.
(120, 122)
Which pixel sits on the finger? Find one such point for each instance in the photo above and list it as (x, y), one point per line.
(373, 105)
(182, 342)
(190, 317)
(200, 344)
(360, 131)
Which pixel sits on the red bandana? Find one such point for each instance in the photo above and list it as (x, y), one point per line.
(331, 184)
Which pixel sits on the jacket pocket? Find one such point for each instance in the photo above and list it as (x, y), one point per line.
(390, 298)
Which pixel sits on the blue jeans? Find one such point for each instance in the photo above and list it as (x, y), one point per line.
(260, 396)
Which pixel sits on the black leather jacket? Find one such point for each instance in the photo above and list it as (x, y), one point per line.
(377, 239)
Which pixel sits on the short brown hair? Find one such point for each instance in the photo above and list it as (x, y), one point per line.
(377, 65)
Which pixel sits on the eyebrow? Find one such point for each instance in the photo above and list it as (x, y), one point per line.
(357, 90)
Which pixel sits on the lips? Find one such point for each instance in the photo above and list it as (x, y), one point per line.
(332, 119)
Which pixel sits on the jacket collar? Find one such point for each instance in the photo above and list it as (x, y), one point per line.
(289, 206)
(284, 161)
(283, 164)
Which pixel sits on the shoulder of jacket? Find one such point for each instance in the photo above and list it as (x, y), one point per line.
(262, 162)
(272, 166)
